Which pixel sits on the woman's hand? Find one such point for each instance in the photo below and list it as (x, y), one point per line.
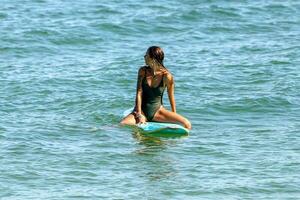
(139, 118)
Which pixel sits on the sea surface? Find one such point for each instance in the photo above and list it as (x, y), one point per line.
(68, 72)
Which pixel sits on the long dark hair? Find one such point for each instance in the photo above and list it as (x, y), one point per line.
(157, 53)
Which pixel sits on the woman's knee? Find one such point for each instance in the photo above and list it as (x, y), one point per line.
(123, 122)
(127, 121)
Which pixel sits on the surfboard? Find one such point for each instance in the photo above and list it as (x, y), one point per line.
(162, 129)
(159, 128)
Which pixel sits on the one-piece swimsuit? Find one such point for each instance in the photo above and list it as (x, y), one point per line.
(152, 98)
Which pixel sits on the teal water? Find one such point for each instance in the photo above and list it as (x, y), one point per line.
(68, 71)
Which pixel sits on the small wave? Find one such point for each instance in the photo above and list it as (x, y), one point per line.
(256, 28)
(253, 48)
(41, 32)
(279, 62)
(193, 15)
(220, 29)
(114, 28)
(74, 40)
(255, 104)
(225, 12)
(103, 10)
(277, 7)
(165, 29)
(3, 15)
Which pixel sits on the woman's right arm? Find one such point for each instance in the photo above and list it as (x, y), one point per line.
(139, 91)
(170, 87)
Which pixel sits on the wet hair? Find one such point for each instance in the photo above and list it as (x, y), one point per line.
(157, 54)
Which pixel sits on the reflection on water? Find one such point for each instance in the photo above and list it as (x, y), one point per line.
(153, 160)
(151, 144)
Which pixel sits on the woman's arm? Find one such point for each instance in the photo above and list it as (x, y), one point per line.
(139, 91)
(170, 87)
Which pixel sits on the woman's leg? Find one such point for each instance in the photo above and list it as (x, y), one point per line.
(130, 119)
(163, 115)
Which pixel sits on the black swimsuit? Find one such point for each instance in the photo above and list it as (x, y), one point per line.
(152, 98)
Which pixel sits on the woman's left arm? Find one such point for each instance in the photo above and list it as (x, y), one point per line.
(170, 87)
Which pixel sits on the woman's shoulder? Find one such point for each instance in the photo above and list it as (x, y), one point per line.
(167, 74)
(168, 77)
(142, 70)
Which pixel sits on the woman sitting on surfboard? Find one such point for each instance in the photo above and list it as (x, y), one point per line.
(151, 83)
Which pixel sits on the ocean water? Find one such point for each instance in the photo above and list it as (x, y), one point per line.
(68, 71)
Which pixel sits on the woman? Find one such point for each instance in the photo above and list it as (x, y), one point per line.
(151, 83)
